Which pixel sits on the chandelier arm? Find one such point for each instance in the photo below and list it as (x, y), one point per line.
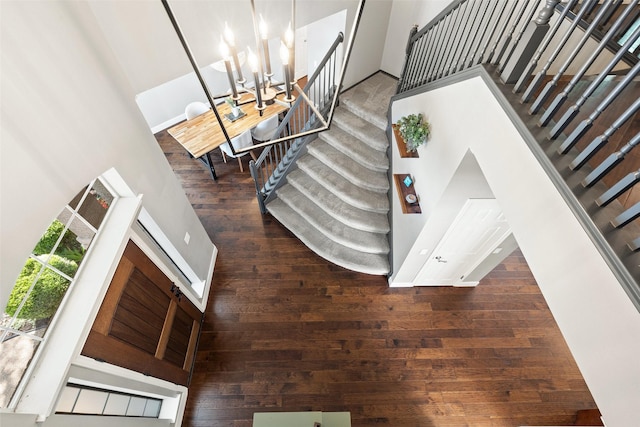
(256, 32)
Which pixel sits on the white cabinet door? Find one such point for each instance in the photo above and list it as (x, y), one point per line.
(476, 231)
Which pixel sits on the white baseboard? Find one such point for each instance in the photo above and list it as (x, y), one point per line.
(168, 123)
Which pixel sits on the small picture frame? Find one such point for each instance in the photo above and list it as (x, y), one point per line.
(408, 181)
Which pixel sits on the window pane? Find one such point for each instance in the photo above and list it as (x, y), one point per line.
(90, 402)
(67, 399)
(16, 352)
(152, 409)
(45, 297)
(75, 242)
(95, 206)
(117, 404)
(21, 290)
(76, 200)
(136, 407)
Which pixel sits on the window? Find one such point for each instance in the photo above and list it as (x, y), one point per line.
(45, 279)
(77, 399)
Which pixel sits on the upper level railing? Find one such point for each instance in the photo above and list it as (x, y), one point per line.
(571, 69)
(310, 114)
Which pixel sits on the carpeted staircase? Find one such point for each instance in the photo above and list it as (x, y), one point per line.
(336, 200)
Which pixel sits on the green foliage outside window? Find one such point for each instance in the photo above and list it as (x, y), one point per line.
(44, 299)
(46, 295)
(69, 247)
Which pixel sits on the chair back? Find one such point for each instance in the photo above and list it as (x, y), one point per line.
(265, 129)
(241, 141)
(194, 109)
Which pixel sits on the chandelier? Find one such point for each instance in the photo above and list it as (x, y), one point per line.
(263, 88)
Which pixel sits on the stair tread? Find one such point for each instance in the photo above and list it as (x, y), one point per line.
(336, 230)
(361, 129)
(336, 207)
(377, 264)
(355, 149)
(370, 98)
(347, 191)
(353, 171)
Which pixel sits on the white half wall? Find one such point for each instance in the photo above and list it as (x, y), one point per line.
(599, 322)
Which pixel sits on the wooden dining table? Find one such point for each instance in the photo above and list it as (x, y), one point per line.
(203, 134)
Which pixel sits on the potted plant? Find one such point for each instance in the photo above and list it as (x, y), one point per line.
(414, 130)
(235, 109)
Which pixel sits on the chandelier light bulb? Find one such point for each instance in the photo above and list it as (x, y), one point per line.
(253, 60)
(263, 28)
(284, 54)
(228, 35)
(288, 36)
(224, 49)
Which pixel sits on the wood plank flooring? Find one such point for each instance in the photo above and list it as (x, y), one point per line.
(287, 331)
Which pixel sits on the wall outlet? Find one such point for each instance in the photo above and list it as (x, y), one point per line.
(187, 237)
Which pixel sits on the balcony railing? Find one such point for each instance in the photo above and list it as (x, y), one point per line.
(571, 69)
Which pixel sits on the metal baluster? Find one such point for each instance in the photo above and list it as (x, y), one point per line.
(453, 45)
(467, 46)
(418, 52)
(590, 11)
(420, 74)
(558, 101)
(561, 97)
(588, 122)
(474, 46)
(627, 216)
(445, 43)
(618, 188)
(519, 36)
(573, 111)
(501, 34)
(442, 30)
(537, 80)
(610, 14)
(543, 46)
(600, 140)
(610, 162)
(493, 32)
(482, 36)
(426, 44)
(626, 28)
(408, 58)
(464, 35)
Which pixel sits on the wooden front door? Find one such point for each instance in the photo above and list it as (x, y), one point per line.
(144, 324)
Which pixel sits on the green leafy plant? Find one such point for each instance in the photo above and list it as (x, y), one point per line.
(414, 129)
(47, 293)
(69, 246)
(230, 102)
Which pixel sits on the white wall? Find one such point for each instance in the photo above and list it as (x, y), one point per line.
(597, 319)
(404, 15)
(439, 211)
(68, 115)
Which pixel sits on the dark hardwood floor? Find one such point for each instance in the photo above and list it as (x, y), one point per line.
(287, 331)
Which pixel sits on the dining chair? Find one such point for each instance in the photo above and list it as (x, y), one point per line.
(241, 141)
(265, 129)
(194, 109)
